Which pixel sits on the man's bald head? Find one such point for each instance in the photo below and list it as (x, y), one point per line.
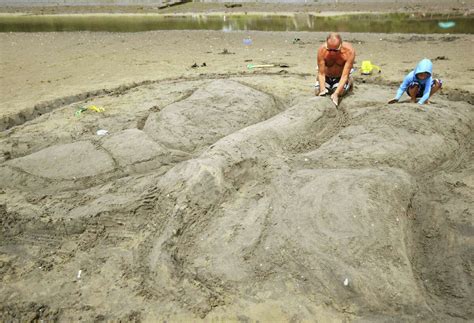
(333, 40)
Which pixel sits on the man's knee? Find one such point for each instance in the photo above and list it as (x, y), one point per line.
(350, 84)
(347, 87)
(326, 86)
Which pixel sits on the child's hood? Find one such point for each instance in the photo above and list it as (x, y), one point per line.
(425, 65)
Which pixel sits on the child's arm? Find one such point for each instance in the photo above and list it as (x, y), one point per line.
(403, 87)
(427, 91)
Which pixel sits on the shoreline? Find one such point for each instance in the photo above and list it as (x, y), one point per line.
(69, 63)
(446, 7)
(234, 13)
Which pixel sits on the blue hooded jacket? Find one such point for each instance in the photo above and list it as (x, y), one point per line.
(425, 65)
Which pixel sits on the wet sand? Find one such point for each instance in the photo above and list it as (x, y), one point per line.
(324, 7)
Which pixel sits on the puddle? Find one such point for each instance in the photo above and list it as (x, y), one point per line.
(384, 23)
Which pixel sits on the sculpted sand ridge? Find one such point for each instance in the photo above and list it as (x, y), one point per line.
(236, 199)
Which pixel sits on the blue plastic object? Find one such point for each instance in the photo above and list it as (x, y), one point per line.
(248, 41)
(446, 24)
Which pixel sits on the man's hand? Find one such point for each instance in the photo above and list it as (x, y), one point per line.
(335, 98)
(392, 101)
(323, 92)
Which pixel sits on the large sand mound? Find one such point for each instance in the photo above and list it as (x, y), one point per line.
(240, 199)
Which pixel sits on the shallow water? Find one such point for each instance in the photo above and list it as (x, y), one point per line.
(387, 23)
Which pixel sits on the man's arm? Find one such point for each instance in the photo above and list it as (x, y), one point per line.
(321, 71)
(346, 71)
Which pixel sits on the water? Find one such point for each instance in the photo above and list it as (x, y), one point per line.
(386, 23)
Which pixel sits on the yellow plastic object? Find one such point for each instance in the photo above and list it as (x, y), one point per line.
(367, 67)
(96, 109)
(92, 108)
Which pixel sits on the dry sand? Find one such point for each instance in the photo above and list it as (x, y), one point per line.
(226, 194)
(41, 67)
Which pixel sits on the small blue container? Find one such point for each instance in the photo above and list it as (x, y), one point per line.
(248, 41)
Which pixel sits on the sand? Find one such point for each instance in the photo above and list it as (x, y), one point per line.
(227, 194)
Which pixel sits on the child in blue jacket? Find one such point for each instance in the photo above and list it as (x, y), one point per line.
(419, 83)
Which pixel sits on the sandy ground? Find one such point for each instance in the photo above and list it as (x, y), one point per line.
(227, 194)
(40, 67)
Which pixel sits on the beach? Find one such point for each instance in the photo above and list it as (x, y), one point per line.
(40, 67)
(202, 187)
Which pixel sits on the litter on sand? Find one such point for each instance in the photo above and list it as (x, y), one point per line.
(102, 132)
(252, 66)
(90, 108)
(446, 24)
(367, 68)
(247, 41)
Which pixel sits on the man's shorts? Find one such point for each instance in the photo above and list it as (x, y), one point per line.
(333, 82)
(421, 89)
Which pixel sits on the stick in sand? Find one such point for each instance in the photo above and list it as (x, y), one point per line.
(250, 66)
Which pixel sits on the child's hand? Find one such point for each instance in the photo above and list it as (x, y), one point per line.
(392, 101)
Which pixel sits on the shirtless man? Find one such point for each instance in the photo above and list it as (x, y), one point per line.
(335, 60)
